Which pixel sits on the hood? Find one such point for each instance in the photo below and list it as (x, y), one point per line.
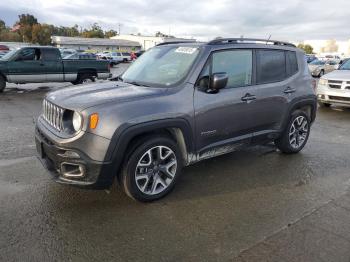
(85, 96)
(341, 75)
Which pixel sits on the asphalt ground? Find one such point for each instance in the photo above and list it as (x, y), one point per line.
(252, 205)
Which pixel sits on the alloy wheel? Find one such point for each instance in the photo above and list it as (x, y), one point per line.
(298, 132)
(156, 170)
(87, 81)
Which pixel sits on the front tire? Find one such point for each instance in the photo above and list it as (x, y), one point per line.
(321, 73)
(152, 169)
(2, 84)
(296, 134)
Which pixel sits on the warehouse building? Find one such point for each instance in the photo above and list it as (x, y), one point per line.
(98, 44)
(147, 42)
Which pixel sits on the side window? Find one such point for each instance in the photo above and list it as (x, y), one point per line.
(236, 63)
(49, 54)
(28, 54)
(292, 63)
(271, 66)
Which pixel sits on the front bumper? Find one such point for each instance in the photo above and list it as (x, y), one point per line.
(329, 95)
(71, 166)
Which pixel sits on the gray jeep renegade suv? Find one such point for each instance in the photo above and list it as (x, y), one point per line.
(179, 103)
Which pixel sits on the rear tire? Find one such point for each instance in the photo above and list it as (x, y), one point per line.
(85, 79)
(2, 84)
(151, 169)
(296, 133)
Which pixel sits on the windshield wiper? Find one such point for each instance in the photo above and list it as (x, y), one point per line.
(136, 83)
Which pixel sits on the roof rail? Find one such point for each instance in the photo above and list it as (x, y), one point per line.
(248, 40)
(176, 42)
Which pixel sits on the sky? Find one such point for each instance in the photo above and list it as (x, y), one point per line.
(291, 20)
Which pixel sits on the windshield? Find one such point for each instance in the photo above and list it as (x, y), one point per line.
(161, 66)
(317, 62)
(345, 65)
(8, 55)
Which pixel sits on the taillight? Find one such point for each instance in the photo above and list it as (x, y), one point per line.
(109, 67)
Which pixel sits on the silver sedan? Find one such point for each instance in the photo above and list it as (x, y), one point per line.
(319, 68)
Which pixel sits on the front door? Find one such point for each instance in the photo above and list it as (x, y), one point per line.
(27, 67)
(224, 120)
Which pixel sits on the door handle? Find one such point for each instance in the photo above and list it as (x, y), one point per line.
(248, 97)
(289, 90)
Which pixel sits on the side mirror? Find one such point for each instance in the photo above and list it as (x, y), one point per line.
(218, 81)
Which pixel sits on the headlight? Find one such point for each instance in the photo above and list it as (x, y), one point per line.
(323, 82)
(77, 121)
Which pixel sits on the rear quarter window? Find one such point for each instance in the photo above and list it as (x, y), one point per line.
(291, 63)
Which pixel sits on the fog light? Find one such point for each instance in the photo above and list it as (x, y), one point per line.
(72, 170)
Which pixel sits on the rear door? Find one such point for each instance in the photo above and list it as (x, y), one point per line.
(51, 59)
(27, 67)
(273, 90)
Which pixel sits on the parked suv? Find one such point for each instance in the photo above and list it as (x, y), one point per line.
(176, 105)
(334, 88)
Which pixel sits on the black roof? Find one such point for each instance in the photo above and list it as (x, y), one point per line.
(223, 41)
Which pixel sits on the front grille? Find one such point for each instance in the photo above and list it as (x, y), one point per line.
(53, 115)
(339, 98)
(335, 84)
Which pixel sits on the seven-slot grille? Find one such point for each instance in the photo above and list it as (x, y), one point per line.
(337, 84)
(53, 115)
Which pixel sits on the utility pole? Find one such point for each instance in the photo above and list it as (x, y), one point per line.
(119, 26)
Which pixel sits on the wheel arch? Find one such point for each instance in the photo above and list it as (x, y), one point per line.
(4, 76)
(83, 71)
(123, 139)
(307, 105)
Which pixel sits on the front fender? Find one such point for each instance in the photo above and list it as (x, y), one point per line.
(123, 136)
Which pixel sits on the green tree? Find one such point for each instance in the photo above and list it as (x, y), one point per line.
(94, 32)
(41, 34)
(160, 34)
(2, 25)
(110, 33)
(26, 22)
(307, 48)
(7, 35)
